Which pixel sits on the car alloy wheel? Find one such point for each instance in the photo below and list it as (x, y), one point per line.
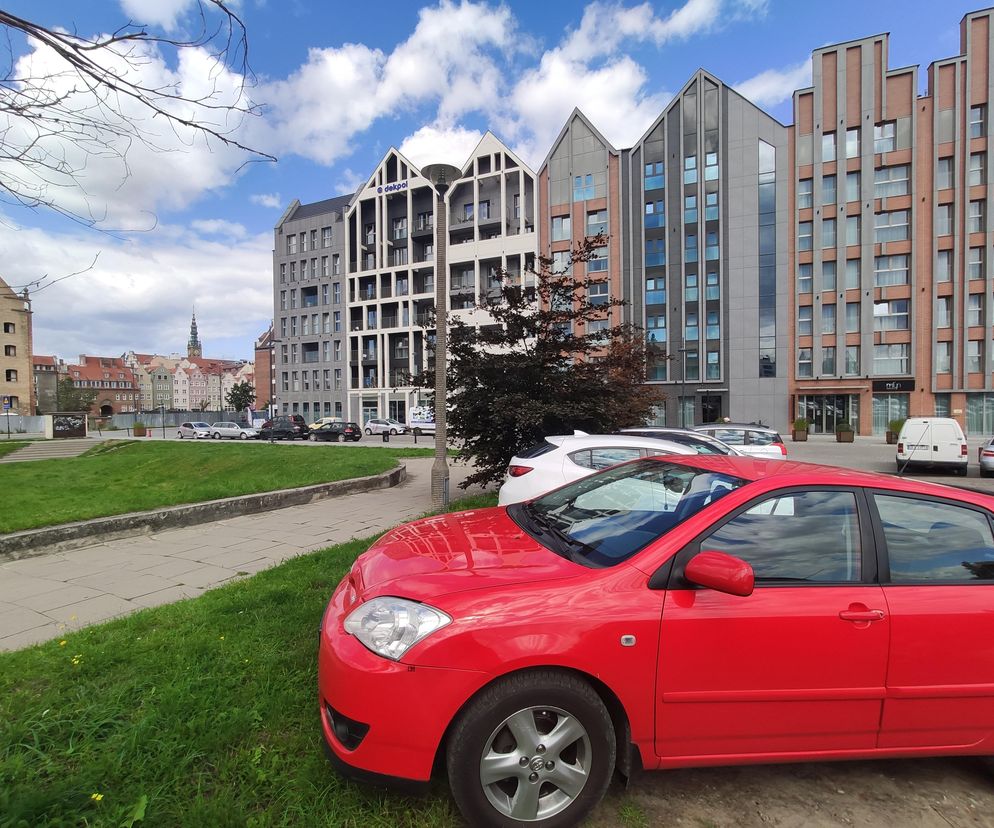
(179, 435)
(242, 435)
(312, 437)
(369, 431)
(217, 435)
(393, 431)
(536, 748)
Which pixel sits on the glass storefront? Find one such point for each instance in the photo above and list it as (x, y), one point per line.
(887, 407)
(824, 411)
(979, 414)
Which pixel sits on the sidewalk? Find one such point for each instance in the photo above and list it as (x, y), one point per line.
(46, 596)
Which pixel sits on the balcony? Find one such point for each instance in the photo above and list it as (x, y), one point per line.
(366, 293)
(369, 356)
(389, 322)
(423, 228)
(369, 382)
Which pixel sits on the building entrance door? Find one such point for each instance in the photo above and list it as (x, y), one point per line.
(710, 408)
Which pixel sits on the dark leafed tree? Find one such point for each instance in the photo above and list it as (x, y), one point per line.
(72, 398)
(82, 98)
(546, 366)
(241, 396)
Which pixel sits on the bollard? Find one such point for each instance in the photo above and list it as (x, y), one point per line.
(386, 436)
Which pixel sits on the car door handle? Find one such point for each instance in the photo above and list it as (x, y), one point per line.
(862, 615)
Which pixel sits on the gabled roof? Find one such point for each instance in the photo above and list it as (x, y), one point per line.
(338, 205)
(38, 359)
(491, 143)
(576, 113)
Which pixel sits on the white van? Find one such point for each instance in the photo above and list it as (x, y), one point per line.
(936, 442)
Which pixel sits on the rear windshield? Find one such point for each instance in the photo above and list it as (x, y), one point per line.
(537, 450)
(604, 519)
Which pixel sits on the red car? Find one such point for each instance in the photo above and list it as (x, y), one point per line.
(667, 612)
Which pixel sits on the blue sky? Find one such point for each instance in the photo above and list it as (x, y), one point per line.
(338, 84)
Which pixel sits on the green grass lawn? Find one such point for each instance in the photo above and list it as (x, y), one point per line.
(116, 477)
(7, 446)
(200, 713)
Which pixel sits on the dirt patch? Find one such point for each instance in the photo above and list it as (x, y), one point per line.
(922, 793)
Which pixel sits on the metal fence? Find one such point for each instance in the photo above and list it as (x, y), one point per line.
(20, 424)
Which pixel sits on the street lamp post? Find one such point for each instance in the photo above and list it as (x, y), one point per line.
(683, 390)
(441, 177)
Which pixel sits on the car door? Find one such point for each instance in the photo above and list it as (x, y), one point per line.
(937, 570)
(797, 666)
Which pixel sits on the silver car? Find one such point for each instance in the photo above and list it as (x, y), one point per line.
(233, 431)
(748, 438)
(986, 458)
(385, 425)
(197, 431)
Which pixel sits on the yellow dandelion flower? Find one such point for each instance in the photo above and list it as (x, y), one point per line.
(221, 637)
(62, 643)
(96, 797)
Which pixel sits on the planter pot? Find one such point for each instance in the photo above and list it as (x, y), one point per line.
(891, 438)
(844, 436)
(800, 436)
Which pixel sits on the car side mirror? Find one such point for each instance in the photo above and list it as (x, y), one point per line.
(721, 572)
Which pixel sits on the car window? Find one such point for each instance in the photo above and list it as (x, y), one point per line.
(537, 450)
(930, 540)
(761, 438)
(602, 457)
(798, 536)
(729, 436)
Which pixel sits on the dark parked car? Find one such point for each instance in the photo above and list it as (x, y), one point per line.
(333, 432)
(284, 427)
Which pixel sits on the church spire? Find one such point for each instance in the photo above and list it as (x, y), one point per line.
(193, 348)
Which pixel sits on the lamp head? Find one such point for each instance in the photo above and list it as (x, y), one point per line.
(441, 176)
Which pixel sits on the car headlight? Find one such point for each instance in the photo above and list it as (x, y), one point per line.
(391, 626)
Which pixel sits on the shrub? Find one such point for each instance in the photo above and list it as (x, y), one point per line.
(138, 429)
(843, 426)
(896, 425)
(801, 424)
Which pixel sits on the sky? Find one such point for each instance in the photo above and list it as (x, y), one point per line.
(186, 223)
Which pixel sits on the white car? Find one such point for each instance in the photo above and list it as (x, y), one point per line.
(233, 431)
(198, 431)
(385, 425)
(562, 459)
(748, 438)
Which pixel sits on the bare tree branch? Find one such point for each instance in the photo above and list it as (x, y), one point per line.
(97, 102)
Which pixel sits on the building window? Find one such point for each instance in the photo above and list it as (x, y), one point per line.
(805, 193)
(655, 213)
(828, 275)
(690, 209)
(978, 121)
(338, 321)
(852, 317)
(561, 229)
(325, 271)
(828, 359)
(690, 248)
(691, 329)
(713, 366)
(828, 319)
(852, 230)
(283, 274)
(712, 290)
(891, 316)
(975, 216)
(974, 356)
(852, 186)
(884, 137)
(890, 270)
(656, 326)
(400, 228)
(11, 375)
(891, 359)
(325, 237)
(711, 168)
(944, 219)
(336, 293)
(713, 329)
(804, 235)
(804, 282)
(336, 264)
(943, 312)
(852, 143)
(655, 178)
(483, 209)
(597, 293)
(804, 327)
(690, 169)
(291, 244)
(655, 252)
(711, 250)
(583, 188)
(977, 171)
(891, 181)
(690, 292)
(944, 174)
(975, 263)
(852, 360)
(975, 309)
(828, 146)
(804, 362)
(596, 222)
(828, 232)
(655, 291)
(10, 350)
(829, 193)
(944, 266)
(943, 357)
(892, 226)
(710, 206)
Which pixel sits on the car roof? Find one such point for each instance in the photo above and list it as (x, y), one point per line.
(572, 442)
(794, 473)
(753, 426)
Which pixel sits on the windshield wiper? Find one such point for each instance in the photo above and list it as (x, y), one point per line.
(568, 546)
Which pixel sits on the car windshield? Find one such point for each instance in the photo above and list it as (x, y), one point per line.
(201, 425)
(606, 518)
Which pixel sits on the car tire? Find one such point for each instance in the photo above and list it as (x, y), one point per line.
(369, 431)
(393, 432)
(216, 435)
(962, 471)
(179, 435)
(242, 435)
(537, 702)
(312, 438)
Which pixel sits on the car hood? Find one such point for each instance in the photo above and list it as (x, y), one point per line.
(450, 553)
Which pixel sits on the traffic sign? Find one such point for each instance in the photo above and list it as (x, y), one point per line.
(6, 403)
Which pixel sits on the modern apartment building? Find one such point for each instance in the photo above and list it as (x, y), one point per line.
(310, 310)
(391, 230)
(892, 276)
(16, 373)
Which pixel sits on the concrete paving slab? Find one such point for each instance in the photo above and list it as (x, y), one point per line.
(36, 635)
(59, 597)
(19, 619)
(124, 583)
(91, 610)
(205, 576)
(166, 596)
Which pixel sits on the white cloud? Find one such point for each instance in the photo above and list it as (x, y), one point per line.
(775, 86)
(349, 181)
(163, 13)
(432, 144)
(219, 227)
(140, 293)
(266, 199)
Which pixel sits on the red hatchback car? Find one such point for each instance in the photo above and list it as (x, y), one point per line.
(663, 613)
